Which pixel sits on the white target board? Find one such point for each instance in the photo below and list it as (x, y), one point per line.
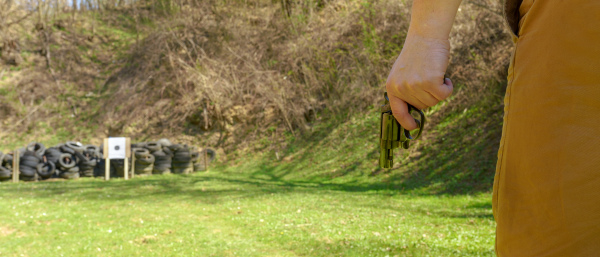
(117, 148)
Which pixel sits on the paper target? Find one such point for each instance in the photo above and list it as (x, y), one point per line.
(117, 148)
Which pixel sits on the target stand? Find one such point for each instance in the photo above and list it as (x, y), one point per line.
(117, 148)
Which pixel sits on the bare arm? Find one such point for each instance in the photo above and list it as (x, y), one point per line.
(417, 76)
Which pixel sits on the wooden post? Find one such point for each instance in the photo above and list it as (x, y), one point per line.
(127, 156)
(16, 162)
(132, 165)
(205, 160)
(107, 169)
(126, 169)
(107, 160)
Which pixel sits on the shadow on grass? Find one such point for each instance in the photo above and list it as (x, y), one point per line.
(464, 158)
(462, 161)
(459, 164)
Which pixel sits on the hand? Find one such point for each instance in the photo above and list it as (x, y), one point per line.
(417, 77)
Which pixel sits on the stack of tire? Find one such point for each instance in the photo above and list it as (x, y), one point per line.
(36, 152)
(5, 166)
(52, 155)
(163, 156)
(182, 159)
(73, 160)
(30, 162)
(28, 166)
(144, 161)
(88, 160)
(72, 154)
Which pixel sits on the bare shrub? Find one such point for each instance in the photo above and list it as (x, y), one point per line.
(237, 66)
(234, 71)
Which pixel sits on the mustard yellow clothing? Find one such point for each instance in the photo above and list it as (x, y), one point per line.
(546, 198)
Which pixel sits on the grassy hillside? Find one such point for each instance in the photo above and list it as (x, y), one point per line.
(456, 156)
(288, 92)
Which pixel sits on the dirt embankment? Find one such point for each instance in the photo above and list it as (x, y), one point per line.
(225, 73)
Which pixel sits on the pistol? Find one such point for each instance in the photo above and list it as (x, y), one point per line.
(392, 135)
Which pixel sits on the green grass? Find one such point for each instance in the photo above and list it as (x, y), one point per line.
(324, 196)
(237, 214)
(456, 156)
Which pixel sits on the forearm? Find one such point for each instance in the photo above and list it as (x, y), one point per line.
(433, 18)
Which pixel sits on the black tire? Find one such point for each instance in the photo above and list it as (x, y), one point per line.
(138, 145)
(47, 170)
(80, 157)
(5, 173)
(160, 170)
(75, 146)
(37, 148)
(27, 171)
(194, 156)
(73, 169)
(181, 165)
(86, 169)
(141, 153)
(29, 178)
(162, 159)
(52, 155)
(144, 169)
(2, 158)
(153, 146)
(89, 164)
(86, 173)
(8, 159)
(168, 151)
(92, 149)
(30, 160)
(211, 154)
(66, 149)
(182, 156)
(147, 160)
(66, 161)
(70, 175)
(176, 147)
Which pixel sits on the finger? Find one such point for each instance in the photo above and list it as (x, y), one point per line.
(400, 111)
(425, 100)
(442, 91)
(416, 102)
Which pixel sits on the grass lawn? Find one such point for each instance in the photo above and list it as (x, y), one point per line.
(234, 214)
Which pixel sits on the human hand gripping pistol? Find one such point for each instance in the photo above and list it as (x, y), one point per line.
(392, 135)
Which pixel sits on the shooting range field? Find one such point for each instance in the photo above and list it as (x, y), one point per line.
(288, 93)
(234, 214)
(318, 199)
